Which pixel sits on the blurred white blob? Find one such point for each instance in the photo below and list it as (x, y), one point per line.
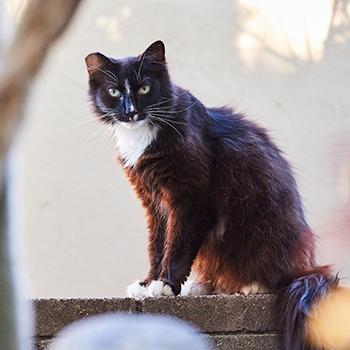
(129, 332)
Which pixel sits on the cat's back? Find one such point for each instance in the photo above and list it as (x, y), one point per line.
(231, 129)
(244, 148)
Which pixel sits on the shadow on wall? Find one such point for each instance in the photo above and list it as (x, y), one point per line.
(291, 35)
(303, 45)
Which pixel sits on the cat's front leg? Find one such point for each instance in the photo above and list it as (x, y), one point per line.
(156, 227)
(188, 224)
(157, 230)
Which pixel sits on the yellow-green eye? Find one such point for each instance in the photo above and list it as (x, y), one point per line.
(143, 90)
(114, 92)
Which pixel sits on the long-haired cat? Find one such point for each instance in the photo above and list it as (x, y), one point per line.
(220, 197)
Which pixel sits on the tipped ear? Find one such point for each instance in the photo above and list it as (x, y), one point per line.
(155, 52)
(95, 61)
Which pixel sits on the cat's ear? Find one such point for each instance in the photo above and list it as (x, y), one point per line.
(155, 52)
(95, 61)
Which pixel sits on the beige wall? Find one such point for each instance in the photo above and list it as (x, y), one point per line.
(281, 62)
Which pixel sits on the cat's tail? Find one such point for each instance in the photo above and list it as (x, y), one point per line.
(296, 301)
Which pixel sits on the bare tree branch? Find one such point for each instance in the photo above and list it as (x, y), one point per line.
(42, 23)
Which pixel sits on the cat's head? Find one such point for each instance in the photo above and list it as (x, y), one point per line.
(128, 90)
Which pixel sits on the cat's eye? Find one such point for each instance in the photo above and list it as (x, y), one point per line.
(114, 92)
(143, 90)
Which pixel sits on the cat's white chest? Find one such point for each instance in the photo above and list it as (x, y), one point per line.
(133, 139)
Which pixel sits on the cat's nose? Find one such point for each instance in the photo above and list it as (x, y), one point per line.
(132, 116)
(130, 109)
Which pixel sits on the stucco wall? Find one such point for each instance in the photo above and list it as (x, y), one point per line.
(285, 64)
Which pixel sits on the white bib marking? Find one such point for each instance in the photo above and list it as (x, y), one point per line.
(133, 138)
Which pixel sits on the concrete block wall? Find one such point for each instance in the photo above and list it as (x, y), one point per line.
(231, 322)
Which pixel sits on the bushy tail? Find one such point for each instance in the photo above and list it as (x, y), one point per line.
(295, 302)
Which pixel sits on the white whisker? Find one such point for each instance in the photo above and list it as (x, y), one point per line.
(107, 72)
(139, 71)
(167, 100)
(80, 124)
(114, 83)
(173, 111)
(168, 123)
(168, 118)
(143, 80)
(105, 138)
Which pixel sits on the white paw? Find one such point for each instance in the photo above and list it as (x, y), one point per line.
(254, 288)
(159, 289)
(193, 288)
(135, 290)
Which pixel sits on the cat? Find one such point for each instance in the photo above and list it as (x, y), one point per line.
(220, 197)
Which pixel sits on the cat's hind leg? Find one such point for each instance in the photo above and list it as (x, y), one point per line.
(195, 288)
(254, 288)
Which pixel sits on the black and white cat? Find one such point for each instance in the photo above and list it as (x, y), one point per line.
(220, 198)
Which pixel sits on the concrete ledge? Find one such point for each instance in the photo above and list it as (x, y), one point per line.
(231, 321)
(54, 314)
(219, 313)
(246, 342)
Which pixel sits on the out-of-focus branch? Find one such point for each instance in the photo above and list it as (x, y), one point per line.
(42, 23)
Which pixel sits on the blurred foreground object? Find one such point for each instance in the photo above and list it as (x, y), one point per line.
(41, 25)
(20, 60)
(129, 332)
(329, 321)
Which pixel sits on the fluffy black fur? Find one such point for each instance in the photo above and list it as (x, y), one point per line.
(220, 197)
